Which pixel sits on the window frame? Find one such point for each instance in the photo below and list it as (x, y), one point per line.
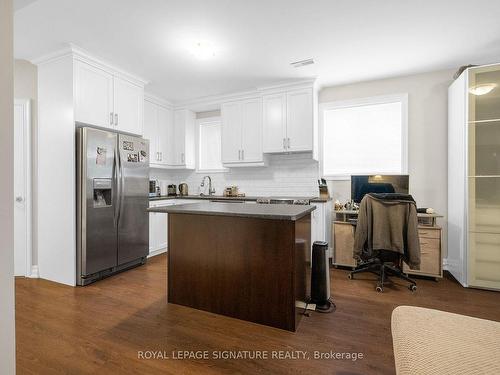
(359, 102)
(199, 123)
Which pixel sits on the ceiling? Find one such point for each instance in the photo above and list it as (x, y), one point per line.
(254, 41)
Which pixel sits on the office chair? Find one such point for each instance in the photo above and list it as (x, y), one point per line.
(385, 262)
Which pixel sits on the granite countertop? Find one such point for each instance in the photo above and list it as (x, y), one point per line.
(220, 197)
(261, 211)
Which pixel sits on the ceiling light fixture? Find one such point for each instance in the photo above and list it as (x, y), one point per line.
(298, 64)
(202, 50)
(483, 89)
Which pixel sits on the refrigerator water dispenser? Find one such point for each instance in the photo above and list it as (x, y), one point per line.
(102, 192)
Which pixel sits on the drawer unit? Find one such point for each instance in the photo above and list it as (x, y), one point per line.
(430, 253)
(429, 232)
(343, 243)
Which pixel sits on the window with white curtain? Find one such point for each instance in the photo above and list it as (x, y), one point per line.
(210, 151)
(365, 136)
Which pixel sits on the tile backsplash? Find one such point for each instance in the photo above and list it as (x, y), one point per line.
(285, 175)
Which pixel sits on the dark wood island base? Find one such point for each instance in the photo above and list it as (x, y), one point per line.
(249, 268)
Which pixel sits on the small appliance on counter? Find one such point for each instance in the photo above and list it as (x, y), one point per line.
(154, 188)
(323, 189)
(183, 189)
(171, 190)
(232, 191)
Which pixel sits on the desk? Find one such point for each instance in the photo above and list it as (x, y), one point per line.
(423, 219)
(429, 233)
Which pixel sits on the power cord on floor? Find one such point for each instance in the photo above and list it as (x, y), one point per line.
(333, 307)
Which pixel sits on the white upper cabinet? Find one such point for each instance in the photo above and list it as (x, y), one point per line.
(251, 131)
(165, 122)
(289, 121)
(242, 133)
(231, 132)
(107, 98)
(274, 122)
(94, 95)
(299, 120)
(128, 101)
(150, 130)
(182, 140)
(158, 123)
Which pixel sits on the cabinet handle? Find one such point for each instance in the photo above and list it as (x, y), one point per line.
(239, 154)
(161, 156)
(288, 143)
(242, 154)
(182, 157)
(284, 143)
(116, 119)
(111, 118)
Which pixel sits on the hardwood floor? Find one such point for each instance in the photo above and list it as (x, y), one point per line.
(102, 327)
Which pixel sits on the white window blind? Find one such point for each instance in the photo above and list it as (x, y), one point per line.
(366, 137)
(210, 155)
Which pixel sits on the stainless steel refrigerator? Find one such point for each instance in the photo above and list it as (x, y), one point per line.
(112, 201)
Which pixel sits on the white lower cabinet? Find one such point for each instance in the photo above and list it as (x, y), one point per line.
(158, 224)
(321, 219)
(158, 228)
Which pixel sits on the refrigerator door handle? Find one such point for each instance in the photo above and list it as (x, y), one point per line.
(119, 181)
(116, 195)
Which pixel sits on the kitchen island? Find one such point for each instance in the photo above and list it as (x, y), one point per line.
(246, 261)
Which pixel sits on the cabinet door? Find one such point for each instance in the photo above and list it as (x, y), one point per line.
(162, 230)
(299, 120)
(165, 124)
(188, 158)
(153, 229)
(231, 132)
(128, 105)
(274, 127)
(178, 143)
(151, 130)
(158, 231)
(251, 130)
(318, 224)
(94, 95)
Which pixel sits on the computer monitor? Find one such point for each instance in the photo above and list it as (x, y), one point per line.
(362, 185)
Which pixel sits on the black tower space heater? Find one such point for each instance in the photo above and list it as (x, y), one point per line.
(320, 276)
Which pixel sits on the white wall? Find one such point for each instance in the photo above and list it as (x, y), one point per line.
(7, 325)
(427, 133)
(287, 175)
(25, 87)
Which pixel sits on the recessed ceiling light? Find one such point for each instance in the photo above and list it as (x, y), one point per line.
(202, 50)
(298, 64)
(482, 89)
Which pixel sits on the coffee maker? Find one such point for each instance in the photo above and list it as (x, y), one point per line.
(154, 188)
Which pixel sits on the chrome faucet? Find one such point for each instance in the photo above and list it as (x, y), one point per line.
(211, 191)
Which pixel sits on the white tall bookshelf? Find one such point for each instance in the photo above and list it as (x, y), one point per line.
(474, 177)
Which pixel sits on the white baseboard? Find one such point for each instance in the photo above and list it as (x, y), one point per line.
(34, 274)
(157, 252)
(445, 264)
